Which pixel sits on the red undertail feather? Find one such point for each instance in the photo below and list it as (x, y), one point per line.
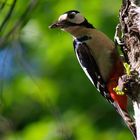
(113, 82)
(121, 100)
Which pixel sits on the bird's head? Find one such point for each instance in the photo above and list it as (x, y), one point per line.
(71, 20)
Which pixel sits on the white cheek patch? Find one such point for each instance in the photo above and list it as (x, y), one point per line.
(63, 17)
(78, 19)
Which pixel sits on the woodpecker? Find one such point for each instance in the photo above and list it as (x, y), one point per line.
(98, 57)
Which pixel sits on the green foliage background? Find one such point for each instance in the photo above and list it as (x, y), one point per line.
(44, 93)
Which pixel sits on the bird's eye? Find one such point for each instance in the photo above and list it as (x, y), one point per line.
(71, 15)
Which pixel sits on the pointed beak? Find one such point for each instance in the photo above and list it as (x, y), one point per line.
(58, 24)
(54, 25)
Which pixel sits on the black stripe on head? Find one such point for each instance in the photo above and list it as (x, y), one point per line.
(87, 24)
(84, 24)
(70, 11)
(71, 14)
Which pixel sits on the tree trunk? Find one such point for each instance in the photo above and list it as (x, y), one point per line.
(130, 35)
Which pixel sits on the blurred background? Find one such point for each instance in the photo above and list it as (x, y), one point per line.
(44, 94)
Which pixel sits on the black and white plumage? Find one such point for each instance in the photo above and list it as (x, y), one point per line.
(99, 59)
(83, 33)
(88, 64)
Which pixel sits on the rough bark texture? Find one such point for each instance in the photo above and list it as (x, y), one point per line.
(130, 35)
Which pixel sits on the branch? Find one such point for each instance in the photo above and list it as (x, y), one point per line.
(8, 15)
(130, 33)
(23, 19)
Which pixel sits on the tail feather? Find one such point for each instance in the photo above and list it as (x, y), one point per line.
(130, 123)
(127, 119)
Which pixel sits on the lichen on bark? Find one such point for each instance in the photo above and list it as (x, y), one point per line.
(130, 29)
(130, 36)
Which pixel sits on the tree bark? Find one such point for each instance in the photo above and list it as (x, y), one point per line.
(130, 36)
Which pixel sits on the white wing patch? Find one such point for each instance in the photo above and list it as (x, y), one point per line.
(95, 79)
(84, 69)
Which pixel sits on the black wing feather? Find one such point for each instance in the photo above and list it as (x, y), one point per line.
(90, 67)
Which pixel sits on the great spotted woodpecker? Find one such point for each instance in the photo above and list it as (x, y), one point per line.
(98, 58)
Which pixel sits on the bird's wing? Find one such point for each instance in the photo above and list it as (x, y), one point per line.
(91, 69)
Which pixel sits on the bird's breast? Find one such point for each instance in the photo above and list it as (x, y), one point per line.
(101, 48)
